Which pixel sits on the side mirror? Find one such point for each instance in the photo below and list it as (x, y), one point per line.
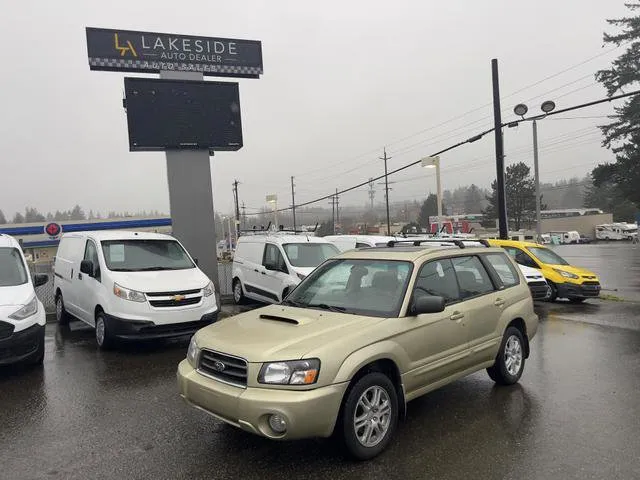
(40, 279)
(86, 267)
(427, 304)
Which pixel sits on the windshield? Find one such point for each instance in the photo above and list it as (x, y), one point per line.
(307, 255)
(362, 287)
(145, 255)
(547, 256)
(12, 271)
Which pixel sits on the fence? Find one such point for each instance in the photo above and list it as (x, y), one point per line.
(46, 293)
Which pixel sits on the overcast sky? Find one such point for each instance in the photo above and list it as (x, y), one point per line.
(341, 80)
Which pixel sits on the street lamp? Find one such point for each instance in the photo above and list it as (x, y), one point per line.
(434, 162)
(521, 110)
(273, 200)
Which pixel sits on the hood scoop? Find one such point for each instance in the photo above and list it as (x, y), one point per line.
(278, 318)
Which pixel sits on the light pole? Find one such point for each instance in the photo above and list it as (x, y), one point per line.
(273, 199)
(434, 162)
(521, 110)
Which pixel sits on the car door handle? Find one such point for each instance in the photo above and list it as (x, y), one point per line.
(456, 316)
(499, 302)
(263, 272)
(255, 270)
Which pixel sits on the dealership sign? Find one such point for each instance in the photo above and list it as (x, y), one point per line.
(131, 51)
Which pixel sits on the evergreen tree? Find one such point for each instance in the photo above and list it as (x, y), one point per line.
(520, 190)
(622, 135)
(3, 219)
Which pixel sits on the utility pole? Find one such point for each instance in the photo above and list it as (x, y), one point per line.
(372, 192)
(333, 213)
(503, 224)
(337, 208)
(537, 180)
(293, 203)
(244, 216)
(235, 198)
(386, 188)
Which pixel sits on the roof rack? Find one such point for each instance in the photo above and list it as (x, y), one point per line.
(270, 231)
(445, 242)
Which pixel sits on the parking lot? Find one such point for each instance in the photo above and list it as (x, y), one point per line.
(117, 414)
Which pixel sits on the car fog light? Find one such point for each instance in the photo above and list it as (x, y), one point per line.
(277, 423)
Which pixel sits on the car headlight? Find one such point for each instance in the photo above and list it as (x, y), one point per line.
(31, 308)
(128, 294)
(296, 372)
(208, 290)
(193, 352)
(566, 274)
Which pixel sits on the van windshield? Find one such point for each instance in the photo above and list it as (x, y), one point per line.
(145, 255)
(309, 255)
(12, 271)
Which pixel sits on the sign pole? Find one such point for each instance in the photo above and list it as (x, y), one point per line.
(191, 199)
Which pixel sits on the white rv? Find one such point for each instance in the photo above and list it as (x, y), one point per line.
(616, 231)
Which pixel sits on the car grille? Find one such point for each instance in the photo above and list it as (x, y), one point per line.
(589, 276)
(6, 330)
(175, 303)
(539, 290)
(223, 367)
(591, 283)
(181, 298)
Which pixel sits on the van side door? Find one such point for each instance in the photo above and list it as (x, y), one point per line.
(88, 285)
(274, 273)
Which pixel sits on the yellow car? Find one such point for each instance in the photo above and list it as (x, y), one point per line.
(566, 281)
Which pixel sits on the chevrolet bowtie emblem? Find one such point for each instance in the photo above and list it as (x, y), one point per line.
(178, 298)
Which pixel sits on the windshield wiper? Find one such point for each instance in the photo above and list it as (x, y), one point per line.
(324, 306)
(122, 269)
(293, 303)
(153, 269)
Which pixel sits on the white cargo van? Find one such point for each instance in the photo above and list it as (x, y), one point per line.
(22, 316)
(350, 242)
(131, 285)
(267, 266)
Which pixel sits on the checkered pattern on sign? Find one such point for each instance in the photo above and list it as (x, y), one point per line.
(187, 67)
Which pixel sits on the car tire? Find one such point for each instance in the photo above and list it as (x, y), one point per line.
(577, 300)
(509, 363)
(103, 335)
(358, 423)
(61, 313)
(238, 294)
(553, 296)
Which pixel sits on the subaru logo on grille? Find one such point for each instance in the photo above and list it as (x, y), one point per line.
(219, 366)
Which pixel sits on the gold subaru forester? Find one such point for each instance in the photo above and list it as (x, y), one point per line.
(366, 332)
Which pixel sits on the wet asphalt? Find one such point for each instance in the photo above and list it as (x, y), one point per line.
(575, 414)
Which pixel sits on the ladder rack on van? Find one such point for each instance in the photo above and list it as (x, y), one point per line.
(281, 230)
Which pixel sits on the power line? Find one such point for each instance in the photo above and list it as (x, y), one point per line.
(457, 117)
(474, 139)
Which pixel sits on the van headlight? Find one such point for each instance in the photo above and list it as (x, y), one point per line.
(31, 308)
(193, 352)
(208, 290)
(296, 372)
(566, 274)
(128, 294)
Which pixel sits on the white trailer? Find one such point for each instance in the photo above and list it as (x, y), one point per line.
(565, 237)
(616, 231)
